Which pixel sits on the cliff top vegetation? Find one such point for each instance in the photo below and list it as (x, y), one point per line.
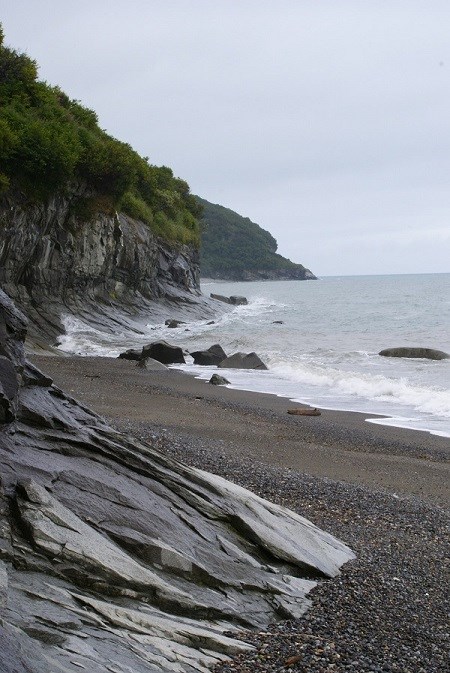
(48, 141)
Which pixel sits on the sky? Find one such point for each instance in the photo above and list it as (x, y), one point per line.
(326, 122)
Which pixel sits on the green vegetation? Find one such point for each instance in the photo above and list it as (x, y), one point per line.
(48, 141)
(235, 248)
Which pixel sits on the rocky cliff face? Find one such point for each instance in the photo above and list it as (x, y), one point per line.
(116, 558)
(54, 262)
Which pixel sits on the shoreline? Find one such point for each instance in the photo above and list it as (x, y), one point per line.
(337, 445)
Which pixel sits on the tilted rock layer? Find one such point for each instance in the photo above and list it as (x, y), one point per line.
(114, 558)
(54, 262)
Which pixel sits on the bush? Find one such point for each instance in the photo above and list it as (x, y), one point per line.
(135, 207)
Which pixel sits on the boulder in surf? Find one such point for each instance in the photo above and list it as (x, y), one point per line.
(243, 361)
(409, 352)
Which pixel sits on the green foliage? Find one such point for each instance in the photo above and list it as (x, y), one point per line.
(48, 141)
(233, 245)
(135, 207)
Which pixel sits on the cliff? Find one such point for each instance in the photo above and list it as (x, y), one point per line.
(87, 226)
(235, 248)
(107, 269)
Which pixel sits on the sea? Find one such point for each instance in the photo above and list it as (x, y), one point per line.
(320, 340)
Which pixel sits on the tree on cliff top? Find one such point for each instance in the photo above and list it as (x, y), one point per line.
(48, 141)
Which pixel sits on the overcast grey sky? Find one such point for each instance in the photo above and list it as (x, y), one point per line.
(324, 121)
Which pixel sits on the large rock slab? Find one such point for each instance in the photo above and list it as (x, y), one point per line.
(409, 352)
(117, 558)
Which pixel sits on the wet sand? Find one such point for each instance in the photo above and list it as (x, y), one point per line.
(340, 446)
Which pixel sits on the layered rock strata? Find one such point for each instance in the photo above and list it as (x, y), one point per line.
(115, 558)
(103, 269)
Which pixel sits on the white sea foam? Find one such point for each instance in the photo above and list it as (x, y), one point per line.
(378, 388)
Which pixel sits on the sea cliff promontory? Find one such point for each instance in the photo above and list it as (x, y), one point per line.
(235, 248)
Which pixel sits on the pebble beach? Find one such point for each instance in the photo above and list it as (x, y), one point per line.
(382, 490)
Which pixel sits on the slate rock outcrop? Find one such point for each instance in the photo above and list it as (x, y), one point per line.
(104, 269)
(115, 558)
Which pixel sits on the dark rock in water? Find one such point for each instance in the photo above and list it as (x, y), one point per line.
(217, 380)
(243, 361)
(212, 356)
(172, 324)
(408, 352)
(131, 354)
(234, 300)
(164, 352)
(151, 365)
(117, 558)
(277, 322)
(238, 301)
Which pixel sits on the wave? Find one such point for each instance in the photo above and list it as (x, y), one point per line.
(336, 383)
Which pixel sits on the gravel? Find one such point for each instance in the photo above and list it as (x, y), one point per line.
(385, 612)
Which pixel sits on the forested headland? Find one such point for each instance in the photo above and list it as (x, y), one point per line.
(235, 248)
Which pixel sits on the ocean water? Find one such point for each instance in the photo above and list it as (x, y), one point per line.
(325, 352)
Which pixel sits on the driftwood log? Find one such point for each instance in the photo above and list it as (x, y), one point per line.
(304, 412)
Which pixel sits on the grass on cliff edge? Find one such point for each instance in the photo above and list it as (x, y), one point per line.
(48, 141)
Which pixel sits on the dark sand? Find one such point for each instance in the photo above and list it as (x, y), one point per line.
(339, 445)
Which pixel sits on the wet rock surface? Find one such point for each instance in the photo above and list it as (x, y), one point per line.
(115, 557)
